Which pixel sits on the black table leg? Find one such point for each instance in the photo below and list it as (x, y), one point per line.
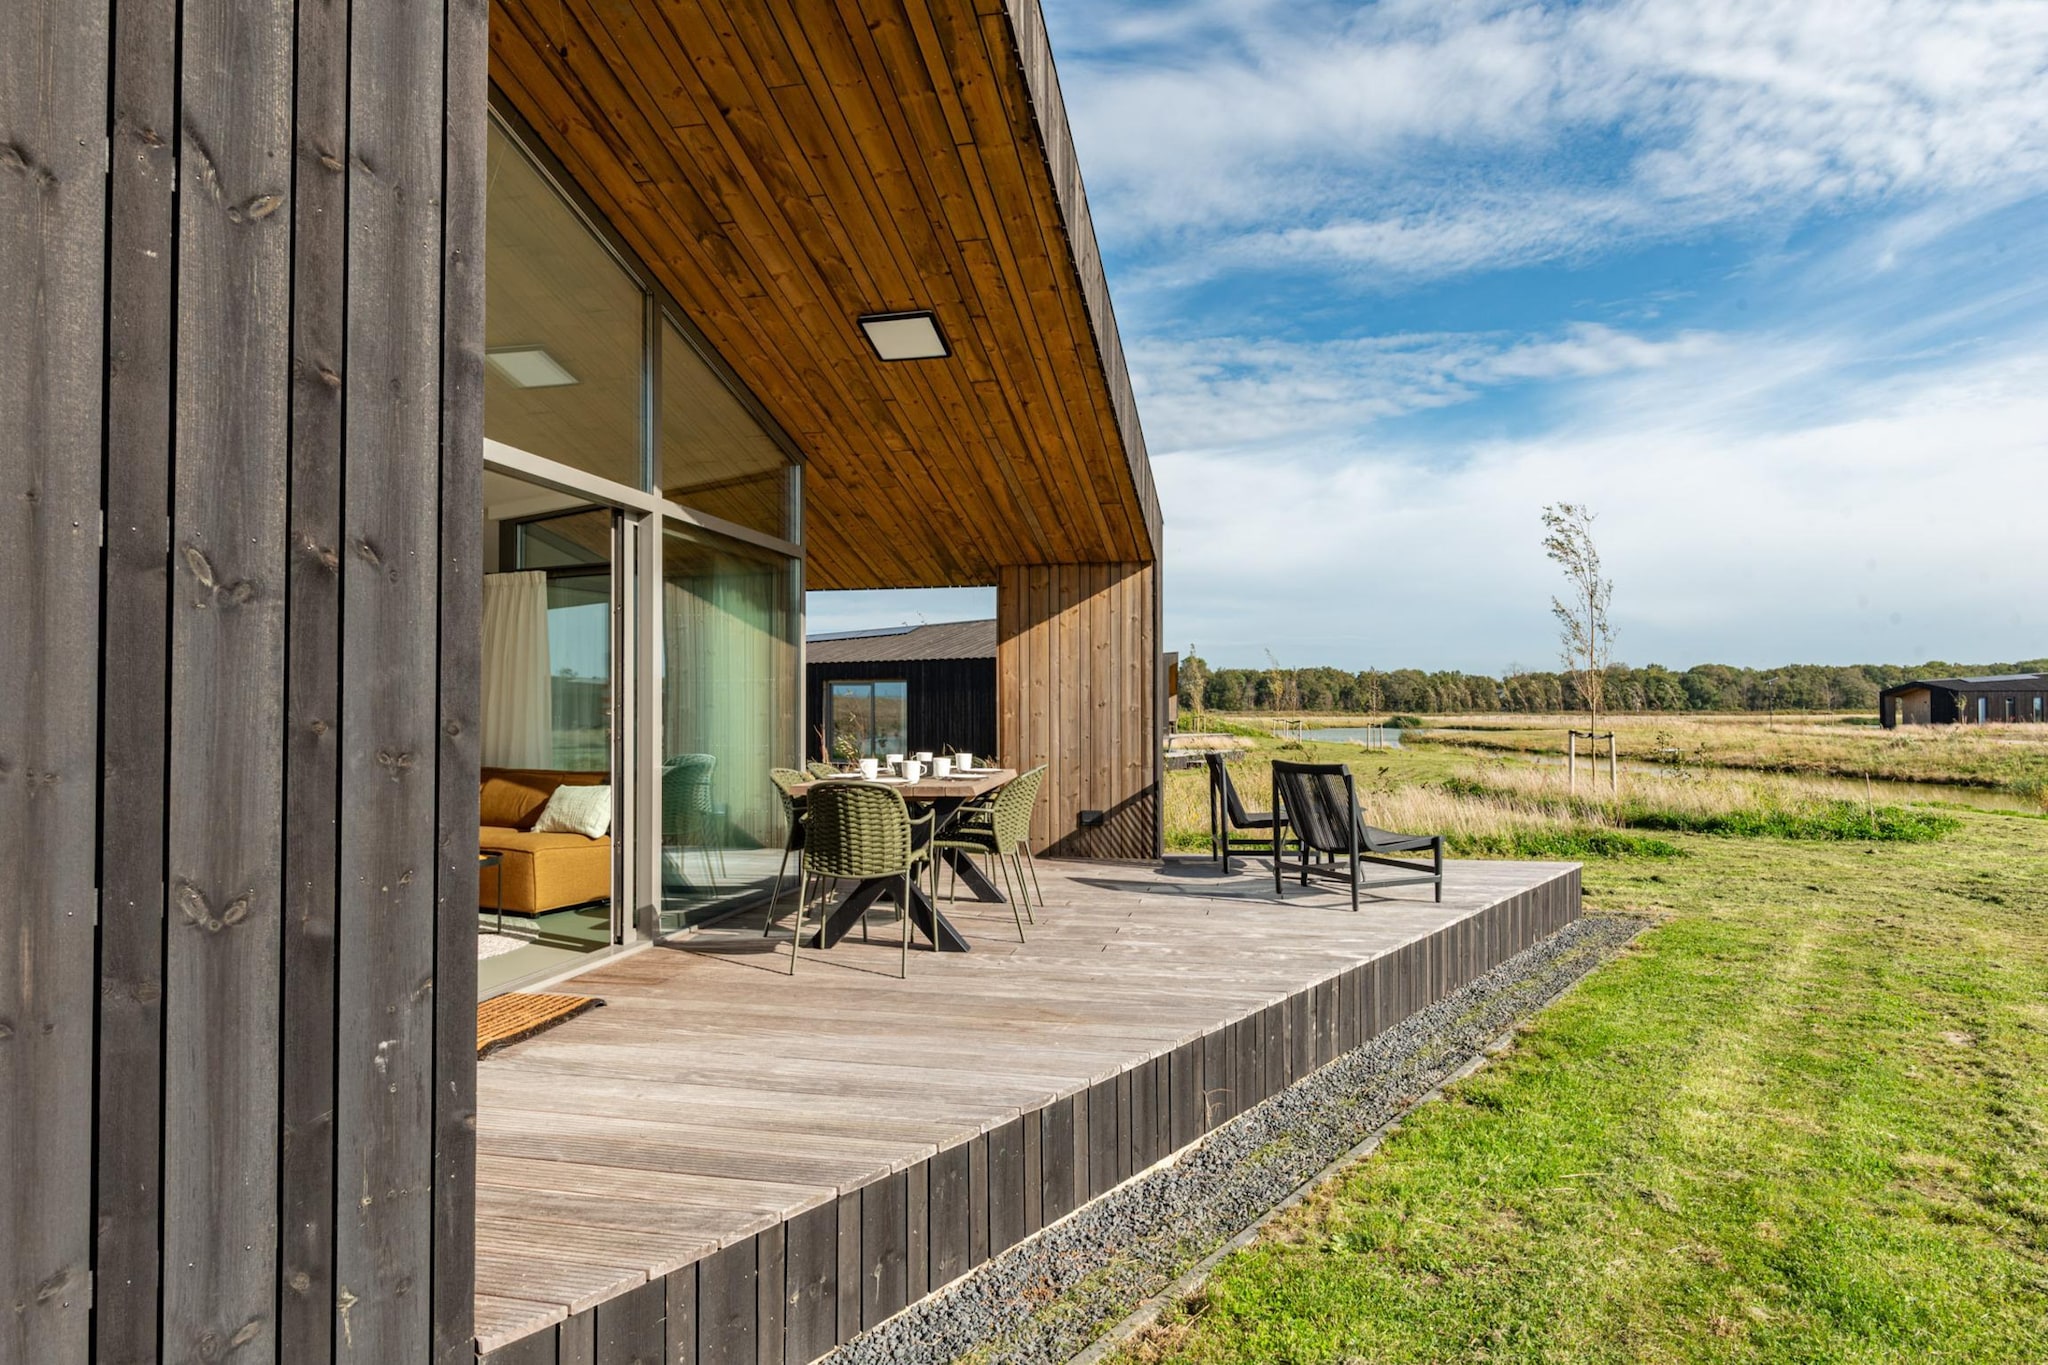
(924, 916)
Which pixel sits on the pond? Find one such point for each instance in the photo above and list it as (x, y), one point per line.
(1370, 736)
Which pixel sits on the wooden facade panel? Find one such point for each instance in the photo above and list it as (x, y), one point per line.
(811, 1261)
(727, 1306)
(884, 1248)
(950, 1233)
(680, 1289)
(231, 418)
(633, 1328)
(53, 186)
(312, 826)
(1005, 1186)
(141, 290)
(198, 212)
(1076, 664)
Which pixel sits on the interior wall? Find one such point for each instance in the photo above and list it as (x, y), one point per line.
(1077, 689)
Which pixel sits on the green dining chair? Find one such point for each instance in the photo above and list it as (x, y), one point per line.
(817, 769)
(792, 842)
(858, 831)
(1000, 827)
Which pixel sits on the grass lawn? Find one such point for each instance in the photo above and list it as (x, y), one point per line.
(1803, 1118)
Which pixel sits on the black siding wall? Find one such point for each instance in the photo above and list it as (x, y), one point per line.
(240, 444)
(952, 701)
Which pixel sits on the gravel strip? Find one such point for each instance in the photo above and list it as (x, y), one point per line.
(1043, 1301)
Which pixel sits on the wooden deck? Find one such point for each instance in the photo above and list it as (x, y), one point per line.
(733, 1162)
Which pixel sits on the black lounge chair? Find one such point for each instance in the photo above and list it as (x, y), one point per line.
(1318, 803)
(1227, 813)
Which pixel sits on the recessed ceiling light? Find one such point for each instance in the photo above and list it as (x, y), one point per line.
(528, 367)
(905, 336)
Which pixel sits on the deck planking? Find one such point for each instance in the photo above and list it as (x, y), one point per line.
(716, 1099)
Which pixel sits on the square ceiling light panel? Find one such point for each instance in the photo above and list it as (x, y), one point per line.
(905, 336)
(529, 367)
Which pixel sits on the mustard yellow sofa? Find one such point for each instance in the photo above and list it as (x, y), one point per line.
(539, 872)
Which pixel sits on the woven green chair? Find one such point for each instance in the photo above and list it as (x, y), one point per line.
(817, 769)
(688, 816)
(793, 842)
(857, 831)
(1000, 827)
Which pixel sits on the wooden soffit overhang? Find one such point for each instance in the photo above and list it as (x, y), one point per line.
(786, 167)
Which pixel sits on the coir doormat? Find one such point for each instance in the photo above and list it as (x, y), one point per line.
(507, 1019)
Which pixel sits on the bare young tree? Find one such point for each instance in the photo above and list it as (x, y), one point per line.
(1584, 635)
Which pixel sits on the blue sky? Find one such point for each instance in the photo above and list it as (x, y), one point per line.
(1766, 284)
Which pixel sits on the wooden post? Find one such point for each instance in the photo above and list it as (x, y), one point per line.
(1613, 766)
(1571, 760)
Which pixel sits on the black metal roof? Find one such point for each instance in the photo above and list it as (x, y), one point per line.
(2016, 681)
(899, 644)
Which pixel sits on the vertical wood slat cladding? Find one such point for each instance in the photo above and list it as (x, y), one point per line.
(1076, 659)
(141, 179)
(53, 93)
(306, 1318)
(227, 682)
(459, 731)
(180, 249)
(459, 653)
(384, 1137)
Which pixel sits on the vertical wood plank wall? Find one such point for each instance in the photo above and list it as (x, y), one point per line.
(240, 466)
(1077, 663)
(789, 1294)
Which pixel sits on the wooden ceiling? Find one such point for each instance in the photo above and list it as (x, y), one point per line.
(784, 166)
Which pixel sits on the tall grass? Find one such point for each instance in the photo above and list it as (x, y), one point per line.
(1503, 810)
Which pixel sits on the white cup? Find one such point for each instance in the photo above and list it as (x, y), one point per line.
(962, 762)
(924, 756)
(942, 766)
(870, 769)
(912, 770)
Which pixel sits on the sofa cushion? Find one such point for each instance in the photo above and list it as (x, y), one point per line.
(513, 798)
(577, 809)
(541, 872)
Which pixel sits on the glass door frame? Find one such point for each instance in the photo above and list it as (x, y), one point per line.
(636, 683)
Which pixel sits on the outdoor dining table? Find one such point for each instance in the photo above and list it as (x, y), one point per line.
(943, 796)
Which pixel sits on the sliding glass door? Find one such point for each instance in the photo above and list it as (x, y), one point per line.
(728, 688)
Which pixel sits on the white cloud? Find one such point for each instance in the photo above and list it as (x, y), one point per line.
(1249, 391)
(1422, 137)
(1870, 533)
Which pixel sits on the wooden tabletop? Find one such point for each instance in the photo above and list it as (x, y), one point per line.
(930, 788)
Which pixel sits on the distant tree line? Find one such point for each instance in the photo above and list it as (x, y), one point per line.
(1707, 687)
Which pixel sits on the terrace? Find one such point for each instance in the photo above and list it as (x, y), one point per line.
(728, 1163)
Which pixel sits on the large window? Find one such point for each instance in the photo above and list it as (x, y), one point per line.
(868, 718)
(728, 715)
(599, 391)
(714, 456)
(563, 329)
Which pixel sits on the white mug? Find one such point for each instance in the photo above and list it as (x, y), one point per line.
(963, 762)
(924, 756)
(942, 766)
(869, 769)
(912, 770)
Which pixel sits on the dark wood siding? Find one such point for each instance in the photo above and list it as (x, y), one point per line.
(244, 300)
(53, 109)
(952, 702)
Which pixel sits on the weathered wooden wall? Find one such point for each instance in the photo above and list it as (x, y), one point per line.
(1078, 689)
(790, 1293)
(240, 443)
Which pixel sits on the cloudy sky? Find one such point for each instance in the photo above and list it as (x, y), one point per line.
(1766, 284)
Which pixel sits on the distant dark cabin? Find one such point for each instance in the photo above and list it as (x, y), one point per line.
(902, 689)
(2009, 698)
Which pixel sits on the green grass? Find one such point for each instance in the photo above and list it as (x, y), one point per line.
(1803, 1118)
(1573, 845)
(1828, 820)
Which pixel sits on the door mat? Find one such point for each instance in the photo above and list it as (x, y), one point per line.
(506, 1019)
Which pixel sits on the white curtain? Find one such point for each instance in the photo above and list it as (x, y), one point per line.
(518, 722)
